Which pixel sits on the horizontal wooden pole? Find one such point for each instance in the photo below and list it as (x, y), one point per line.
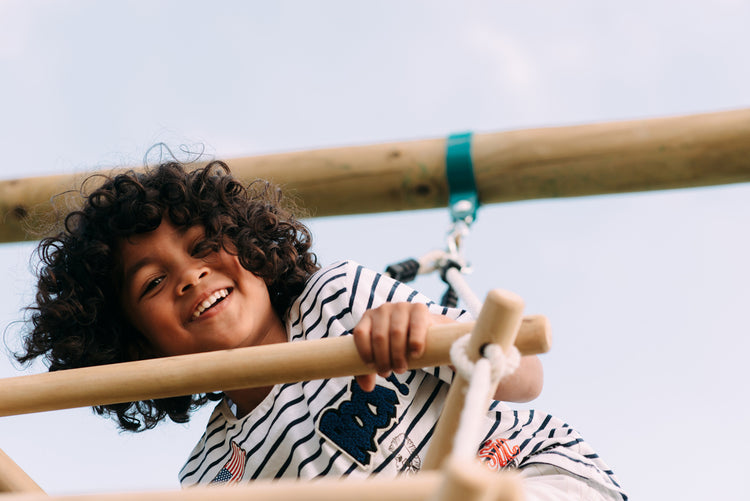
(14, 479)
(614, 157)
(207, 372)
(422, 486)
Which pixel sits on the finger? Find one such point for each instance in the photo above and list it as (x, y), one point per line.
(419, 323)
(366, 382)
(399, 333)
(380, 342)
(362, 334)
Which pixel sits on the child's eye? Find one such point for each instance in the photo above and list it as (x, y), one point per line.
(151, 285)
(202, 249)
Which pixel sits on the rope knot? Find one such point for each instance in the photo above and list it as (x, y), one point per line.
(499, 363)
(482, 378)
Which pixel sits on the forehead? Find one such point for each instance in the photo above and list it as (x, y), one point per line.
(165, 233)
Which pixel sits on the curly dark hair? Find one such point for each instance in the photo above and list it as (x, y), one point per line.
(77, 321)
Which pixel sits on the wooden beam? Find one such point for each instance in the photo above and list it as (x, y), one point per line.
(207, 372)
(614, 157)
(14, 479)
(423, 486)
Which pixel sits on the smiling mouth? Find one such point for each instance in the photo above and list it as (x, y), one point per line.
(211, 301)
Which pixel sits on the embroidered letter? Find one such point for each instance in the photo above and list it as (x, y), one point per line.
(353, 426)
(497, 454)
(401, 387)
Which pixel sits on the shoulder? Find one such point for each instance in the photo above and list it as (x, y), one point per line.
(325, 298)
(351, 287)
(369, 289)
(194, 469)
(342, 275)
(329, 279)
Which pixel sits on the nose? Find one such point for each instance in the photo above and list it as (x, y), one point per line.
(191, 276)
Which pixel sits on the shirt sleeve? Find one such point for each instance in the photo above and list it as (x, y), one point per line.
(370, 289)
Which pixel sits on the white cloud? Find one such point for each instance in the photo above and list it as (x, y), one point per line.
(15, 29)
(511, 65)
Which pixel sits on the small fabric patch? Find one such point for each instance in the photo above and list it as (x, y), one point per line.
(354, 424)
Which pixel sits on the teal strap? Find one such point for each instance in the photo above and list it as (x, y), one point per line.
(459, 170)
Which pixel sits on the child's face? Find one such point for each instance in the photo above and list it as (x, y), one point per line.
(188, 304)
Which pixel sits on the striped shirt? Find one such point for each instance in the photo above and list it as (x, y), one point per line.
(332, 427)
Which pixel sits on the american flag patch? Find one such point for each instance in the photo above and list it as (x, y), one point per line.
(233, 470)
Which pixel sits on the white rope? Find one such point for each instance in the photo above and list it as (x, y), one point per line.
(431, 261)
(501, 363)
(436, 259)
(483, 377)
(456, 280)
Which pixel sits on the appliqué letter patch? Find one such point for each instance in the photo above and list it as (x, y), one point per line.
(497, 454)
(354, 425)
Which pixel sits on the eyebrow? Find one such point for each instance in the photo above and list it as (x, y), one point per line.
(131, 271)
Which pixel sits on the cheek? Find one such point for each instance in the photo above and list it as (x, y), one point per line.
(232, 264)
(150, 322)
(144, 344)
(233, 267)
(156, 318)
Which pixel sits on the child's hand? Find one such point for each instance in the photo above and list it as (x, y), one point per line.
(387, 336)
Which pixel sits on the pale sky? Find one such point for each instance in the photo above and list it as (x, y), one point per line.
(646, 293)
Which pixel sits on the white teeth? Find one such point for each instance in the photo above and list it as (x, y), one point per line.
(209, 301)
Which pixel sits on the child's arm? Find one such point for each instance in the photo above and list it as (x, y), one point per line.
(525, 384)
(389, 334)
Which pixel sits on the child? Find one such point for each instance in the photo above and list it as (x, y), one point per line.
(172, 262)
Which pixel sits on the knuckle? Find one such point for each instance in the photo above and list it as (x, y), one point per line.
(379, 337)
(399, 330)
(360, 335)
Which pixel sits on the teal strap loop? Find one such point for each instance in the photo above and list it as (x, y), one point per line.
(459, 171)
